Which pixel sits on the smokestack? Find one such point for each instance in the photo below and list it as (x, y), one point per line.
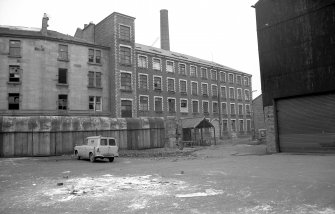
(165, 40)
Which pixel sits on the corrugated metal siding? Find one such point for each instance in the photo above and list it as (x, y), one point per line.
(307, 124)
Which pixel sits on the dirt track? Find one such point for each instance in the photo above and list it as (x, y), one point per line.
(218, 179)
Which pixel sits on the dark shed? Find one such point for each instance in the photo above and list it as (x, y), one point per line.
(195, 124)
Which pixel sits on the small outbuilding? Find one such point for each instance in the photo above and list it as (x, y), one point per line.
(191, 128)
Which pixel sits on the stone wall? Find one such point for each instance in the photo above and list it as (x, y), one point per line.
(271, 144)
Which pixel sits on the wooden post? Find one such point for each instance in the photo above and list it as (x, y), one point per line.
(214, 136)
(195, 136)
(202, 138)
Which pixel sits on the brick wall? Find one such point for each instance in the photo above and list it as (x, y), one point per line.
(271, 145)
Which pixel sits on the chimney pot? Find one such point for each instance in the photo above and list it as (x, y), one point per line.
(45, 25)
(165, 40)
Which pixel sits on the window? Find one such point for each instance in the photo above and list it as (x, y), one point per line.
(94, 56)
(233, 125)
(214, 90)
(238, 80)
(246, 81)
(158, 104)
(63, 52)
(232, 109)
(223, 92)
(224, 108)
(13, 101)
(240, 109)
(15, 48)
(124, 32)
(195, 106)
(142, 61)
(246, 95)
(205, 107)
(241, 124)
(231, 93)
(183, 105)
(204, 89)
(214, 75)
(231, 78)
(125, 55)
(248, 125)
(183, 86)
(14, 73)
(62, 102)
(94, 79)
(169, 66)
(239, 94)
(215, 107)
(125, 81)
(182, 69)
(143, 81)
(247, 109)
(170, 84)
(156, 64)
(62, 76)
(94, 103)
(171, 105)
(204, 73)
(225, 125)
(126, 107)
(194, 86)
(157, 83)
(193, 71)
(144, 103)
(222, 76)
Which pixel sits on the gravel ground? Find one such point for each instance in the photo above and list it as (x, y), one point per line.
(234, 177)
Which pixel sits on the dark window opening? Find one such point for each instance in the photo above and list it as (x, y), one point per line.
(126, 108)
(14, 73)
(13, 101)
(62, 76)
(62, 102)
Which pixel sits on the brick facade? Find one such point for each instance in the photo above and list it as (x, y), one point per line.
(120, 68)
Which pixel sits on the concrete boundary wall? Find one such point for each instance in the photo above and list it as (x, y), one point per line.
(57, 135)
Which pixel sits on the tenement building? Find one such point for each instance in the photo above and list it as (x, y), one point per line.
(101, 71)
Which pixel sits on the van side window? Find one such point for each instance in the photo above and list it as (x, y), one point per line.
(103, 142)
(111, 142)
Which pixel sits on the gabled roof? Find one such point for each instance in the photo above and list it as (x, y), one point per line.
(196, 123)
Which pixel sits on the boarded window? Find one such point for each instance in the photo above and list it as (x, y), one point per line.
(63, 52)
(126, 108)
(172, 105)
(169, 66)
(124, 32)
(183, 86)
(62, 76)
(158, 104)
(13, 101)
(195, 106)
(15, 48)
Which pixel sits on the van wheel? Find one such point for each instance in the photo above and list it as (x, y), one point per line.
(92, 158)
(77, 155)
(111, 159)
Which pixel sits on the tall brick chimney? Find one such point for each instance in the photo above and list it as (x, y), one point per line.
(165, 40)
(45, 25)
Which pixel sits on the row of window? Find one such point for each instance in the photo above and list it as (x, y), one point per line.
(242, 126)
(94, 56)
(142, 62)
(94, 102)
(184, 108)
(143, 83)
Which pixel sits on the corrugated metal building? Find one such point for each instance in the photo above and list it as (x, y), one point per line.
(296, 41)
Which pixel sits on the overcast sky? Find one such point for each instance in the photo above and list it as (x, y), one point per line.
(220, 30)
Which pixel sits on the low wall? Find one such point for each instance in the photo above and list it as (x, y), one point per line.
(57, 135)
